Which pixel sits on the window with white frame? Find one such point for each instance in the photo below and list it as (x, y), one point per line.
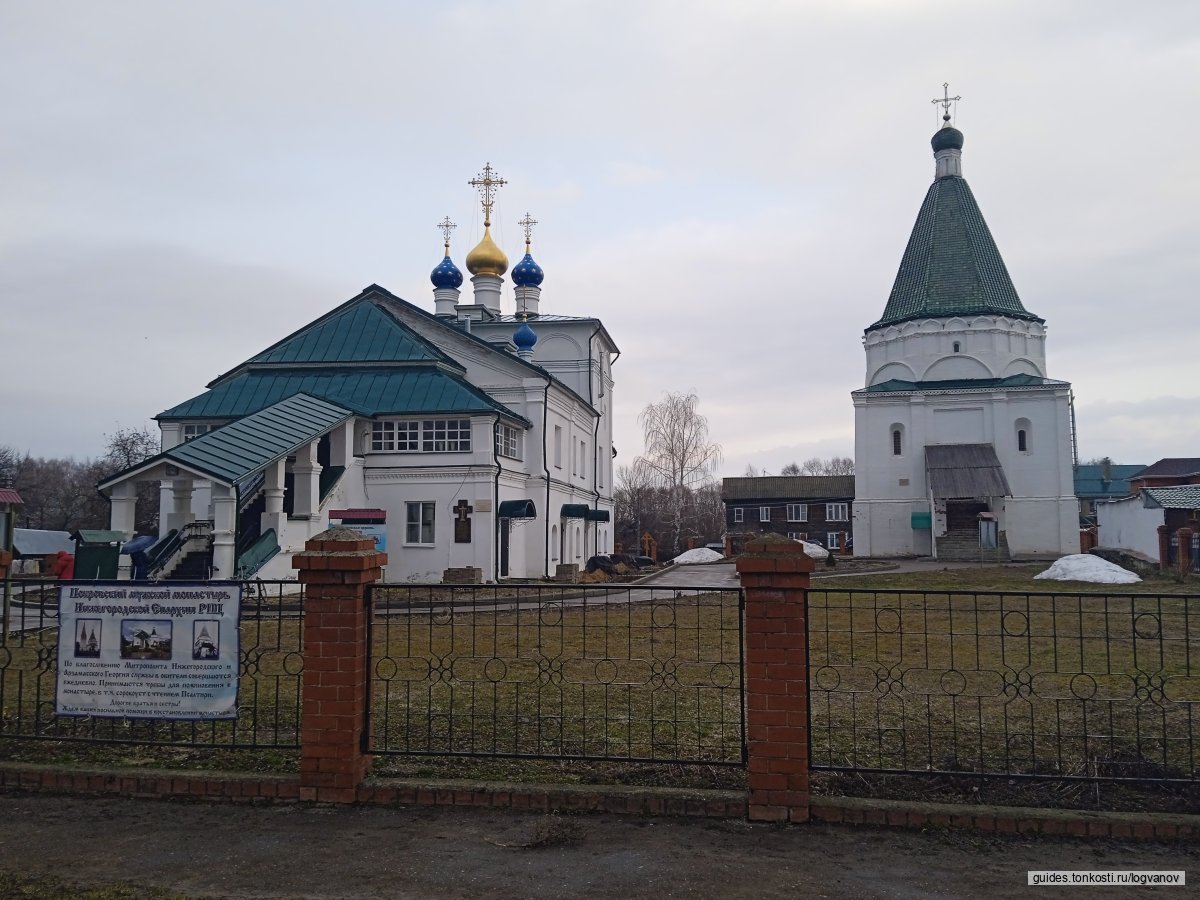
(764, 514)
(583, 459)
(446, 435)
(508, 441)
(739, 514)
(837, 512)
(190, 432)
(833, 540)
(418, 522)
(395, 437)
(797, 512)
(798, 535)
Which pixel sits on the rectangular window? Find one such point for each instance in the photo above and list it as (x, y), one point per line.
(764, 514)
(837, 512)
(446, 435)
(191, 432)
(583, 459)
(739, 514)
(558, 446)
(798, 535)
(833, 540)
(389, 437)
(508, 441)
(418, 524)
(797, 512)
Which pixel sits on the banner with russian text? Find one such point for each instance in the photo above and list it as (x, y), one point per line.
(149, 651)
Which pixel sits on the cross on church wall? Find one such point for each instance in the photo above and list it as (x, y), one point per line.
(463, 510)
(462, 522)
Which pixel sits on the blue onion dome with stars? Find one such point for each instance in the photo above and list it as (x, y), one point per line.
(527, 273)
(525, 337)
(446, 274)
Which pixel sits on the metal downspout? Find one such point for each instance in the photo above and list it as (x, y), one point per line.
(546, 464)
(496, 501)
(595, 447)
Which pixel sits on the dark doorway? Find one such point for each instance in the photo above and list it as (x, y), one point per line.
(962, 514)
(505, 524)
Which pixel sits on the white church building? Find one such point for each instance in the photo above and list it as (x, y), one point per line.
(959, 418)
(463, 437)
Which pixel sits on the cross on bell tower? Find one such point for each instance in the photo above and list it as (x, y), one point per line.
(487, 183)
(945, 101)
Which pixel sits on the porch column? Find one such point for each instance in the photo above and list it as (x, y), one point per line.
(307, 485)
(341, 445)
(224, 512)
(181, 504)
(1184, 558)
(123, 510)
(273, 515)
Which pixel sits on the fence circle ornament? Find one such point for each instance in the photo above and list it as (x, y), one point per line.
(441, 670)
(5, 657)
(1018, 684)
(386, 669)
(953, 682)
(495, 670)
(550, 614)
(251, 661)
(887, 620)
(293, 663)
(662, 673)
(721, 675)
(828, 678)
(1149, 688)
(1083, 686)
(1014, 623)
(663, 615)
(605, 671)
(1147, 625)
(442, 615)
(550, 671)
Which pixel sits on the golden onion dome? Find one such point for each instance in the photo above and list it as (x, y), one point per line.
(487, 258)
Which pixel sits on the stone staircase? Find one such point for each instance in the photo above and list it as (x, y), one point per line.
(963, 544)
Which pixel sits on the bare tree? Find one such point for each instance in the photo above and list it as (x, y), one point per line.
(835, 465)
(678, 453)
(126, 448)
(755, 472)
(790, 469)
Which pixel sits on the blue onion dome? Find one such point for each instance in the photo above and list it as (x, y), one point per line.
(446, 275)
(527, 273)
(947, 138)
(525, 337)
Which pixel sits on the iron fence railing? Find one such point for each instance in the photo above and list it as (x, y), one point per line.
(565, 672)
(1173, 551)
(1092, 686)
(268, 687)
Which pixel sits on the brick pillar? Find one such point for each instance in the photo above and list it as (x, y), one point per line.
(1184, 559)
(774, 572)
(335, 568)
(1164, 548)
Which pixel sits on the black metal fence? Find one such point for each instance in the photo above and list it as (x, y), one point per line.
(1173, 551)
(268, 691)
(1098, 687)
(576, 672)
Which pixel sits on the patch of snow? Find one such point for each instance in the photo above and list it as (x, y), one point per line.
(816, 551)
(1085, 567)
(699, 555)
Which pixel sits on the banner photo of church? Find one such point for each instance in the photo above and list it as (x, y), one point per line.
(160, 651)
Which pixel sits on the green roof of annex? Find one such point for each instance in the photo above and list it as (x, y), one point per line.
(951, 266)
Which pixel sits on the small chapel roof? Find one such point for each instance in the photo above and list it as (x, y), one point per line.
(951, 266)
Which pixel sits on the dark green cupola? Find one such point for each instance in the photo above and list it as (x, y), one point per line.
(951, 266)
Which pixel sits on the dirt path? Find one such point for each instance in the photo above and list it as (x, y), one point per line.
(201, 850)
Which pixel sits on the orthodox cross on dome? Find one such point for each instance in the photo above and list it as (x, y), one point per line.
(527, 223)
(487, 182)
(945, 100)
(446, 226)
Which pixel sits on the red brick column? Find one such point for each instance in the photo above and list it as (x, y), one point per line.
(1184, 559)
(335, 568)
(774, 573)
(1164, 547)
(5, 563)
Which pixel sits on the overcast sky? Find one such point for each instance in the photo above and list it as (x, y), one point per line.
(728, 185)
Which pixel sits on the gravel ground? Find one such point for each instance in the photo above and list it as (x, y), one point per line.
(224, 850)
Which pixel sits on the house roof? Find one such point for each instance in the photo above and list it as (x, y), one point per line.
(11, 497)
(965, 470)
(365, 391)
(896, 385)
(951, 266)
(1184, 496)
(788, 487)
(1090, 481)
(1171, 467)
(38, 542)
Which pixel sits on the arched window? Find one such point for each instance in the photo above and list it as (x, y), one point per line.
(1024, 431)
(897, 440)
(957, 346)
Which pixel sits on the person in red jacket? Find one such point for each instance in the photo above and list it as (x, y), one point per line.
(63, 567)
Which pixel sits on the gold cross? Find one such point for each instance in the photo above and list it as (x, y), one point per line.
(488, 182)
(945, 100)
(527, 223)
(446, 226)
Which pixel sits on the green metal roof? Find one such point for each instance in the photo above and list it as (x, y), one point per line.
(960, 384)
(1090, 481)
(366, 391)
(951, 266)
(241, 448)
(361, 332)
(516, 509)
